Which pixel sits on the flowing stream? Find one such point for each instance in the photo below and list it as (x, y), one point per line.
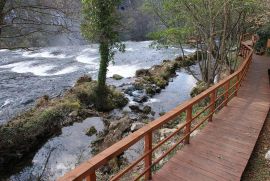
(26, 75)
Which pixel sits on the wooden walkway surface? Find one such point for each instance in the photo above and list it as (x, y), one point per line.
(222, 149)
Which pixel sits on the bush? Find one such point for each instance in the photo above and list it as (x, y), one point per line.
(264, 34)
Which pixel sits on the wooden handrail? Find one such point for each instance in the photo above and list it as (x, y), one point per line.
(87, 169)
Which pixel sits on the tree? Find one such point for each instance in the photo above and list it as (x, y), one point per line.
(216, 27)
(30, 22)
(100, 24)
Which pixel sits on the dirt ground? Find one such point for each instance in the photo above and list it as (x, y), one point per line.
(258, 168)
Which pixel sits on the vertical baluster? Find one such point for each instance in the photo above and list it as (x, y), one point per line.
(188, 126)
(148, 158)
(237, 84)
(213, 102)
(227, 87)
(91, 177)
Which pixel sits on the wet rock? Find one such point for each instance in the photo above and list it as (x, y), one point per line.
(142, 72)
(91, 131)
(135, 108)
(147, 109)
(162, 113)
(136, 126)
(117, 77)
(115, 132)
(27, 102)
(267, 155)
(130, 90)
(140, 98)
(84, 79)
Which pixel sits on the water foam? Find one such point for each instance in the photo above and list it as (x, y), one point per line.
(67, 70)
(43, 55)
(123, 70)
(87, 60)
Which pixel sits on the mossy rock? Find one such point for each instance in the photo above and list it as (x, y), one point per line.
(84, 79)
(87, 94)
(142, 72)
(117, 77)
(91, 131)
(199, 88)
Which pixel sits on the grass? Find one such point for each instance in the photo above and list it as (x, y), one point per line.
(258, 168)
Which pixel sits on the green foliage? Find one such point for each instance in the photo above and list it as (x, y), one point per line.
(264, 34)
(101, 23)
(88, 94)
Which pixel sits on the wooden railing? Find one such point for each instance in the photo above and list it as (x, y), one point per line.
(216, 97)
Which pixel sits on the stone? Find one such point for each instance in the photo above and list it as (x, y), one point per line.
(73, 114)
(84, 79)
(165, 132)
(267, 155)
(136, 126)
(142, 72)
(140, 99)
(117, 77)
(147, 109)
(91, 131)
(135, 108)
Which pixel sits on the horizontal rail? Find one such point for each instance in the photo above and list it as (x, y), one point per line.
(87, 169)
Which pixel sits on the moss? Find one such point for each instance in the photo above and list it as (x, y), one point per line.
(160, 82)
(117, 77)
(84, 79)
(91, 131)
(199, 88)
(87, 95)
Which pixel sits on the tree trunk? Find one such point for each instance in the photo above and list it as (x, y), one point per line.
(102, 74)
(2, 5)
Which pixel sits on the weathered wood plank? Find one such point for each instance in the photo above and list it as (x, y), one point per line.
(222, 149)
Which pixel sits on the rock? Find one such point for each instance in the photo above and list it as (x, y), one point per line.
(267, 155)
(136, 126)
(140, 98)
(73, 114)
(117, 77)
(84, 79)
(142, 72)
(165, 132)
(91, 131)
(161, 113)
(147, 109)
(135, 108)
(130, 90)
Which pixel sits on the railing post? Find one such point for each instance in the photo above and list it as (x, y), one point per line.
(227, 87)
(213, 102)
(91, 177)
(148, 158)
(237, 84)
(188, 126)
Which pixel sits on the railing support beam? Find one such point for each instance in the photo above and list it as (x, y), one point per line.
(148, 158)
(188, 126)
(91, 177)
(212, 108)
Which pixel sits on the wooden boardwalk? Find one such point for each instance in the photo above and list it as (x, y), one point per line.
(222, 149)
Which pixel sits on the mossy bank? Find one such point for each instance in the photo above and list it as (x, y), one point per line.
(25, 133)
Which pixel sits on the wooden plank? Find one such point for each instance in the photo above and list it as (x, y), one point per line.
(222, 149)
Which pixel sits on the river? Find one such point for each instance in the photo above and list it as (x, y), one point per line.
(26, 75)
